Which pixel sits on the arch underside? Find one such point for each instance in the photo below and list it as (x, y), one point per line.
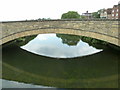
(95, 35)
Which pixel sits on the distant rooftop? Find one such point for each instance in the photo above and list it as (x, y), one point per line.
(86, 13)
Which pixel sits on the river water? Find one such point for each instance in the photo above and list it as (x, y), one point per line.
(61, 61)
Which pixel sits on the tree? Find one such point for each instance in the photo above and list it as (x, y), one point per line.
(70, 15)
(95, 15)
(71, 40)
(82, 17)
(24, 40)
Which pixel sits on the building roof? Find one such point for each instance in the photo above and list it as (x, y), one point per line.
(115, 5)
(109, 10)
(86, 13)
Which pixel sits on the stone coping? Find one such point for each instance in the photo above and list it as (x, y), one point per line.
(42, 20)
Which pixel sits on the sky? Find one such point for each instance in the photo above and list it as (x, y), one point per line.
(14, 10)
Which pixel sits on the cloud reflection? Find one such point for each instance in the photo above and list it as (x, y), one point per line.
(52, 46)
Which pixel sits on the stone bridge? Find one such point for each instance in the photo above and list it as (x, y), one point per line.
(106, 30)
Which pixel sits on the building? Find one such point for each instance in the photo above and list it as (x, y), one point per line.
(87, 15)
(103, 13)
(111, 13)
(106, 13)
(116, 12)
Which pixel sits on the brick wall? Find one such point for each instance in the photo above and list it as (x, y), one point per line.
(115, 12)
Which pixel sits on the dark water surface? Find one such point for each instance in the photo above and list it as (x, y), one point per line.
(51, 61)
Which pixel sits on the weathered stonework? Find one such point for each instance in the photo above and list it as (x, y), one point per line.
(102, 29)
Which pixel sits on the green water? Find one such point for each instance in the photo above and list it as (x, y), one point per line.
(91, 71)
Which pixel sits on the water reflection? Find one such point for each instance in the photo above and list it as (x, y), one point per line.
(92, 71)
(98, 70)
(52, 46)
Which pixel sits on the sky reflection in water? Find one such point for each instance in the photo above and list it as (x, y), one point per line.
(52, 46)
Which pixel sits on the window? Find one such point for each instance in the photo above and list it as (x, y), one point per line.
(116, 14)
(117, 10)
(105, 12)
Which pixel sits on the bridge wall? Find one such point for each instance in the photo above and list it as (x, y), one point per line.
(103, 30)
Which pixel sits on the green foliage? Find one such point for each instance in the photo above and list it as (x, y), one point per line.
(24, 40)
(95, 15)
(70, 15)
(94, 42)
(70, 40)
(82, 17)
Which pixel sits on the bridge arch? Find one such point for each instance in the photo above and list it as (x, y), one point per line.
(80, 32)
